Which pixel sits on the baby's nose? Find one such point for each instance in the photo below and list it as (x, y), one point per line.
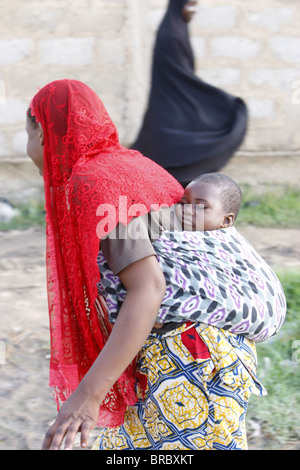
(188, 209)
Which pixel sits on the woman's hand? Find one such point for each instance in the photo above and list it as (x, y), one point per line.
(78, 414)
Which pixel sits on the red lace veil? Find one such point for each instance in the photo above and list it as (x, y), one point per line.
(85, 166)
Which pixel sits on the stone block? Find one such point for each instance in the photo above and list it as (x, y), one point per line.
(20, 142)
(261, 108)
(214, 18)
(3, 145)
(154, 18)
(20, 181)
(234, 47)
(221, 76)
(38, 17)
(111, 51)
(271, 19)
(15, 50)
(67, 51)
(97, 19)
(13, 111)
(280, 78)
(286, 48)
(199, 47)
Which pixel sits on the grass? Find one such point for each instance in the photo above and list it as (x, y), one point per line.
(270, 207)
(30, 214)
(279, 370)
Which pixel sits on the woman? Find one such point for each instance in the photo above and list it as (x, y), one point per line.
(189, 377)
(190, 127)
(75, 145)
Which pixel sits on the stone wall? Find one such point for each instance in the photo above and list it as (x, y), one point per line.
(251, 49)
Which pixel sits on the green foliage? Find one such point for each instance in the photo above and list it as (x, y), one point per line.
(270, 207)
(29, 214)
(279, 371)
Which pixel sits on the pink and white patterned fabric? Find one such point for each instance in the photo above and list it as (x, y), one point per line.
(216, 278)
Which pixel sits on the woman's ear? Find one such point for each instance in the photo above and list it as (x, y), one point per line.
(228, 220)
(41, 135)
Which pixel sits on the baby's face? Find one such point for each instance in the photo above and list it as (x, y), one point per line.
(201, 208)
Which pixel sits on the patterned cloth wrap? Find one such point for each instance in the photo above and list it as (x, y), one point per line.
(213, 277)
(193, 388)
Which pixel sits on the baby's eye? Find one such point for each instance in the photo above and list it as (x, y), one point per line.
(200, 206)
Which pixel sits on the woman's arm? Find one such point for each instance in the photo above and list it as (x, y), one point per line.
(145, 284)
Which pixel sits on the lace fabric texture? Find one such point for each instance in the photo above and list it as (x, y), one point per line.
(86, 168)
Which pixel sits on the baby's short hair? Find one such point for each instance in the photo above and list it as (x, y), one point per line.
(229, 190)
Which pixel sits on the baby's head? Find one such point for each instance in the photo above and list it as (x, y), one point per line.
(210, 202)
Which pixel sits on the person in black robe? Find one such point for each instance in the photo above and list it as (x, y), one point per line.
(190, 127)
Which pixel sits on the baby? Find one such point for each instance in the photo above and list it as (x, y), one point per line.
(213, 275)
(210, 202)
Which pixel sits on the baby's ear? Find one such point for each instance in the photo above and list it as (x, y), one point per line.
(228, 220)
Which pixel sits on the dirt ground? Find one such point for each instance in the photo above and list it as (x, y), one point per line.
(26, 404)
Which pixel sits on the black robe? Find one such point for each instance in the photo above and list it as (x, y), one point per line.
(189, 127)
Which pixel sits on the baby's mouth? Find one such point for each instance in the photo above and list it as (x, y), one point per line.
(187, 223)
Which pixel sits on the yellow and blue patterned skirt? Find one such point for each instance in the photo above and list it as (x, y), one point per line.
(194, 386)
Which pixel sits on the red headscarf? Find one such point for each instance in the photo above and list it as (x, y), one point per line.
(86, 166)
